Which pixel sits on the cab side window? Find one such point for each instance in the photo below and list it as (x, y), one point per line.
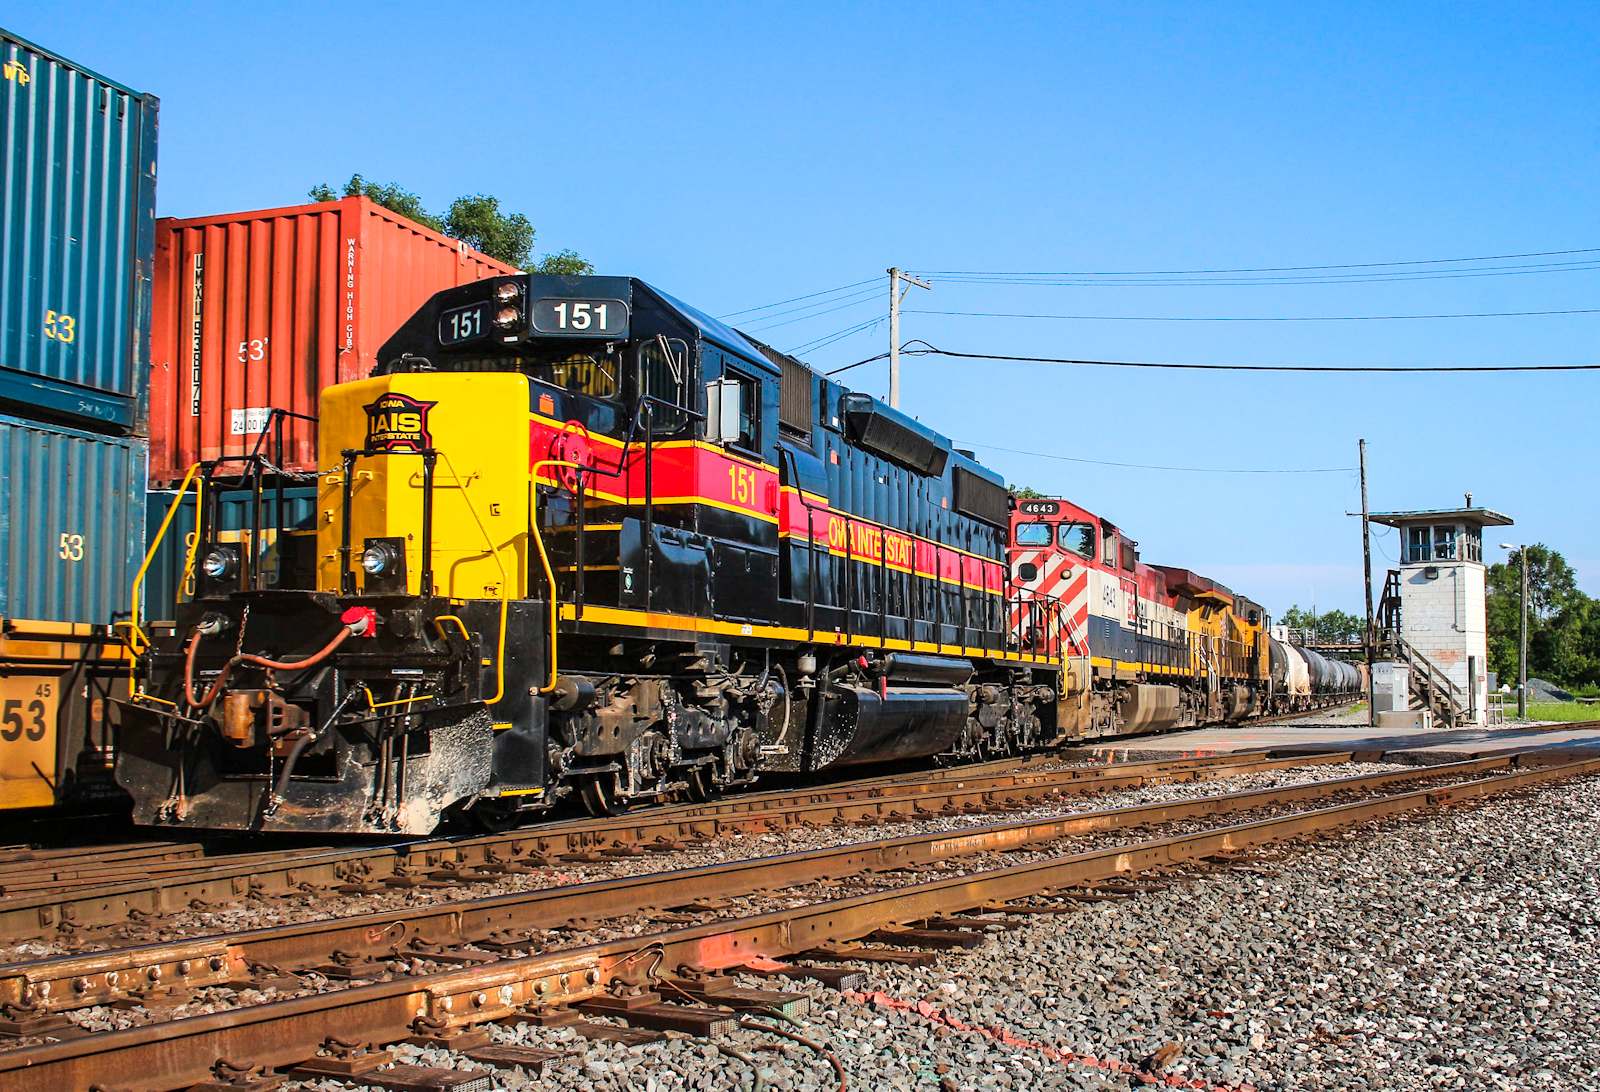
(1108, 547)
(749, 410)
(664, 374)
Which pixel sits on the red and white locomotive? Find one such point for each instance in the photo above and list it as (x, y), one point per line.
(1146, 647)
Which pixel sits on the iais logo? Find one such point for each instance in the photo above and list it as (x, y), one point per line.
(398, 423)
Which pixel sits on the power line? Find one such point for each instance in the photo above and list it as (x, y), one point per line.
(1078, 281)
(1266, 269)
(935, 351)
(796, 299)
(1143, 466)
(838, 335)
(857, 364)
(867, 297)
(1295, 318)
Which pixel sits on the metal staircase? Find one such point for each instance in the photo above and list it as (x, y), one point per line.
(1430, 688)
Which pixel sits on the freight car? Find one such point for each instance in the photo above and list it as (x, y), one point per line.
(576, 537)
(1146, 648)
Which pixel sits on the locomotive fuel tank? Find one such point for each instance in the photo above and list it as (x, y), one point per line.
(857, 725)
(1147, 708)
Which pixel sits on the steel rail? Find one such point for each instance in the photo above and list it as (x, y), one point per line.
(163, 1056)
(13, 860)
(224, 880)
(67, 982)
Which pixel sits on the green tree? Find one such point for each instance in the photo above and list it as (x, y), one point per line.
(564, 261)
(1563, 622)
(475, 219)
(1026, 492)
(393, 198)
(1333, 627)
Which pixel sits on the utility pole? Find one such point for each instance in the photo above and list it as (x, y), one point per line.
(1366, 572)
(1522, 653)
(1522, 657)
(896, 294)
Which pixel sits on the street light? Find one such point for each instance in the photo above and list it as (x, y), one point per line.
(1522, 656)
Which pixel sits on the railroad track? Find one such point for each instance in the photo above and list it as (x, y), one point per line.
(483, 962)
(42, 907)
(99, 870)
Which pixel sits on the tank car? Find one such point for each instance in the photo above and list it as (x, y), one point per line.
(575, 537)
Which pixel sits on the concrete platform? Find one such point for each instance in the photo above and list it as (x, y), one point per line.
(1553, 742)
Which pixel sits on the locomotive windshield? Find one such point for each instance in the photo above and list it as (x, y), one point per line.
(1033, 534)
(594, 369)
(1077, 538)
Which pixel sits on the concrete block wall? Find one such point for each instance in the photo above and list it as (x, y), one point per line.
(1444, 619)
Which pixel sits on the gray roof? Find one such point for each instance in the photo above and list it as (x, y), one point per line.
(1483, 517)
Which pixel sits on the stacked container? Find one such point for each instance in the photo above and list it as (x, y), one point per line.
(257, 311)
(77, 234)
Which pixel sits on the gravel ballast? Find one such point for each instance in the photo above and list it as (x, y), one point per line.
(1451, 950)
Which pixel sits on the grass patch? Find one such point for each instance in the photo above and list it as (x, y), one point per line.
(1557, 710)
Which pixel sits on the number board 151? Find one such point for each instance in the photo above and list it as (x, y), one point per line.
(588, 318)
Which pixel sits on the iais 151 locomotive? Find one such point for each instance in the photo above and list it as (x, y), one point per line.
(575, 536)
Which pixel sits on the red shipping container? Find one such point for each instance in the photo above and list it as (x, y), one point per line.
(262, 310)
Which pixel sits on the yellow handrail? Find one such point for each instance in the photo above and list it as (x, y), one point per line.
(505, 590)
(136, 639)
(549, 574)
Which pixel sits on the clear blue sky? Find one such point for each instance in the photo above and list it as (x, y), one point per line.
(741, 154)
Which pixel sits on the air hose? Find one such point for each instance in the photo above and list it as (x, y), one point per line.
(351, 629)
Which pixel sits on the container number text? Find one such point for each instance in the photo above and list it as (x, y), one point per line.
(60, 327)
(26, 716)
(71, 547)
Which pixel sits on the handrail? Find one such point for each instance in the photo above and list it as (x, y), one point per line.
(136, 636)
(1433, 675)
(549, 573)
(505, 591)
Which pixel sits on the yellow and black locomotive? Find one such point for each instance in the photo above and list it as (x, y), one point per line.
(574, 536)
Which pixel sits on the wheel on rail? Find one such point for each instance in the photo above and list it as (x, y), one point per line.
(600, 796)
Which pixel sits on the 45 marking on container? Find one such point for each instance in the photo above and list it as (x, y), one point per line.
(27, 707)
(60, 327)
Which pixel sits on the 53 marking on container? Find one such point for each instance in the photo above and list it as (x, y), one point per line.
(254, 349)
(60, 327)
(71, 548)
(27, 707)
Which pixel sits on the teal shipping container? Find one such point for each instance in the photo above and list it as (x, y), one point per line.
(287, 564)
(71, 523)
(77, 242)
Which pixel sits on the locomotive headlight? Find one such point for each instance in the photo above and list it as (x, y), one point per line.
(220, 562)
(507, 316)
(507, 291)
(380, 559)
